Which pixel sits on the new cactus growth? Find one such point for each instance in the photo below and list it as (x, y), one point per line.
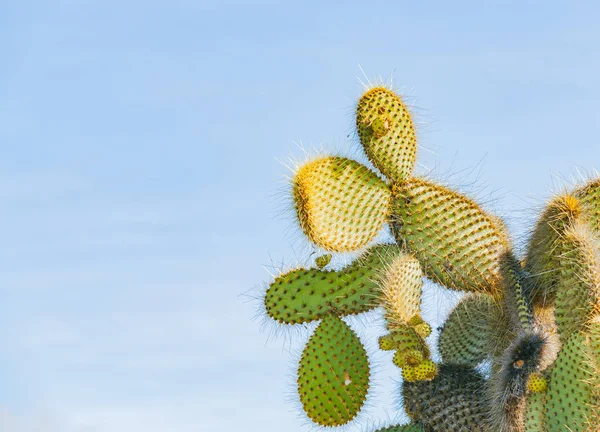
(520, 352)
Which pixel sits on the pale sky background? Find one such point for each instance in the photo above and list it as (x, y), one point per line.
(140, 178)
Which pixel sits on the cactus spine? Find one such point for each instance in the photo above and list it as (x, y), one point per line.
(535, 321)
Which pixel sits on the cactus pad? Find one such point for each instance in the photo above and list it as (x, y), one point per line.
(578, 288)
(474, 330)
(541, 260)
(386, 132)
(401, 289)
(572, 398)
(333, 375)
(341, 205)
(452, 402)
(306, 295)
(458, 244)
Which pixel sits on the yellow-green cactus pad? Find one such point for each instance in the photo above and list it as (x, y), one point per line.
(401, 289)
(454, 401)
(303, 295)
(573, 397)
(405, 338)
(387, 133)
(341, 205)
(423, 371)
(537, 383)
(333, 374)
(472, 331)
(322, 260)
(458, 244)
(386, 343)
(578, 287)
(541, 260)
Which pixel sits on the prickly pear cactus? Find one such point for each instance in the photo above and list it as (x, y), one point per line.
(534, 321)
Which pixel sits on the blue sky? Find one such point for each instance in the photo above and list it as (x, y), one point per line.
(141, 179)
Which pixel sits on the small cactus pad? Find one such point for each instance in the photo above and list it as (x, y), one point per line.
(333, 374)
(387, 133)
(469, 334)
(405, 338)
(452, 402)
(423, 371)
(516, 294)
(402, 428)
(458, 244)
(534, 412)
(578, 288)
(341, 205)
(537, 383)
(572, 400)
(541, 260)
(322, 260)
(306, 295)
(401, 288)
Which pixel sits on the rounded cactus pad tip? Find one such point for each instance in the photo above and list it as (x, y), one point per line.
(341, 205)
(543, 250)
(333, 374)
(302, 295)
(387, 132)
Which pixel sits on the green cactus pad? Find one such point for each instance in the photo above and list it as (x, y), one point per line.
(471, 332)
(387, 133)
(401, 289)
(517, 298)
(341, 205)
(578, 287)
(589, 195)
(541, 259)
(402, 428)
(406, 338)
(454, 401)
(534, 412)
(573, 400)
(303, 295)
(333, 374)
(458, 244)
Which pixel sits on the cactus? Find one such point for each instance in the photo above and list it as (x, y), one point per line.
(535, 321)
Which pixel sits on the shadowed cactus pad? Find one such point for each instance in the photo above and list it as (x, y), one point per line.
(457, 243)
(386, 132)
(453, 402)
(333, 375)
(474, 331)
(341, 205)
(303, 295)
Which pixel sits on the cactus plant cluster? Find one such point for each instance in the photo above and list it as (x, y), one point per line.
(534, 320)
